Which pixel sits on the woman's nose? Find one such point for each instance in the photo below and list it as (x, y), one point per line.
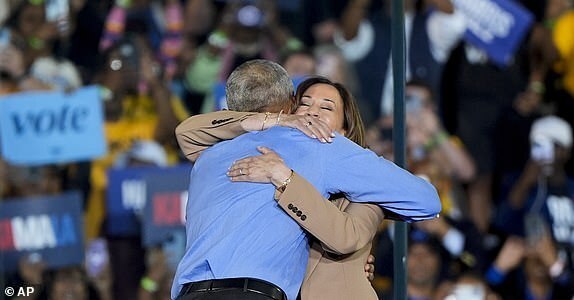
(313, 112)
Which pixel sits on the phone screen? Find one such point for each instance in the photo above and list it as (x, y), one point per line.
(96, 257)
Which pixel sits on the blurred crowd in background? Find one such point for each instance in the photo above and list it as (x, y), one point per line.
(495, 140)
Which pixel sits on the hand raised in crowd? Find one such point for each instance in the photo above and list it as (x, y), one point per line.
(266, 168)
(150, 68)
(545, 249)
(437, 227)
(511, 254)
(527, 180)
(527, 102)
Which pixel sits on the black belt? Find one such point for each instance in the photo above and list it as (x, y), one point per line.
(247, 284)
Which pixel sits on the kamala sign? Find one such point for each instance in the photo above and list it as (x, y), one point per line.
(51, 226)
(495, 26)
(51, 127)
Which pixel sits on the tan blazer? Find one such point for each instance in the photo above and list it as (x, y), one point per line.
(335, 269)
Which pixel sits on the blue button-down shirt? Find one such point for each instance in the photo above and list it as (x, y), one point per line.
(237, 229)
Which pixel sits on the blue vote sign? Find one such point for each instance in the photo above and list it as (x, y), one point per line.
(495, 26)
(51, 227)
(43, 127)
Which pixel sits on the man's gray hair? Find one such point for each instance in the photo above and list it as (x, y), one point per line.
(257, 84)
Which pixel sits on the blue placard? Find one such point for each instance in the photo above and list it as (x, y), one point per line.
(125, 200)
(39, 128)
(164, 214)
(50, 226)
(495, 26)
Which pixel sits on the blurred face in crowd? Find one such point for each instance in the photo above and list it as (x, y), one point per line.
(299, 64)
(32, 181)
(422, 265)
(379, 137)
(31, 19)
(324, 102)
(69, 284)
(331, 65)
(416, 99)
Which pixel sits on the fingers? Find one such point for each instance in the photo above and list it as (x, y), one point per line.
(321, 131)
(370, 276)
(371, 259)
(264, 150)
(312, 127)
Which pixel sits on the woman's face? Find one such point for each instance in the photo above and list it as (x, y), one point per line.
(324, 102)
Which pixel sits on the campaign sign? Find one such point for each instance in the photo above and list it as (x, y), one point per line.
(43, 127)
(50, 226)
(495, 26)
(126, 196)
(166, 194)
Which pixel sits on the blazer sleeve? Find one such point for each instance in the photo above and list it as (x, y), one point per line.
(341, 232)
(199, 132)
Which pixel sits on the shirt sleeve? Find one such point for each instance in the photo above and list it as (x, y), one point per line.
(365, 177)
(340, 232)
(199, 132)
(445, 31)
(357, 48)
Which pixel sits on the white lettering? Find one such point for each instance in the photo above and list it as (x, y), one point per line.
(25, 291)
(133, 194)
(33, 232)
(486, 19)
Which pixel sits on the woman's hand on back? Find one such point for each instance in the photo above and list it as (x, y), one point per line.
(266, 168)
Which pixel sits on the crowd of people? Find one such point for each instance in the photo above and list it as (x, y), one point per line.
(495, 140)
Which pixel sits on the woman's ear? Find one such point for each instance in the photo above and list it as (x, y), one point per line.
(293, 105)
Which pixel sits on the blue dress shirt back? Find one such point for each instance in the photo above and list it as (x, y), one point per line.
(237, 229)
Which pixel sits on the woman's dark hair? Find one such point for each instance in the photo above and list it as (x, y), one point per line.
(352, 121)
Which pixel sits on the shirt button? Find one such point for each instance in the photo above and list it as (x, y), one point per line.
(299, 213)
(303, 217)
(290, 206)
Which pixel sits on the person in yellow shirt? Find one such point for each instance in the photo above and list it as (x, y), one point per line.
(138, 106)
(564, 42)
